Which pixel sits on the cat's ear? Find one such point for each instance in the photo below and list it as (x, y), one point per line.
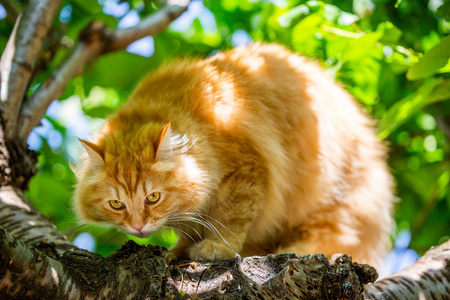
(96, 154)
(163, 147)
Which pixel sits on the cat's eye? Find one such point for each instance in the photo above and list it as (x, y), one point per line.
(153, 197)
(116, 204)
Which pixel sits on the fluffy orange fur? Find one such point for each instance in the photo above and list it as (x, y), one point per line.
(251, 151)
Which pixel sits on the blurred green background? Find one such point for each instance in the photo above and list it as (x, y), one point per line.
(393, 56)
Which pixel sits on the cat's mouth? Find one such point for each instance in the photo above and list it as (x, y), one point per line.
(143, 233)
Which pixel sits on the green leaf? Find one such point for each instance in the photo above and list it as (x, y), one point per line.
(120, 70)
(304, 38)
(91, 7)
(50, 194)
(441, 93)
(359, 63)
(163, 237)
(432, 91)
(99, 112)
(432, 61)
(444, 11)
(287, 18)
(390, 33)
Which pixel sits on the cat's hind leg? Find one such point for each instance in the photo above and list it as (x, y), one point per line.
(335, 230)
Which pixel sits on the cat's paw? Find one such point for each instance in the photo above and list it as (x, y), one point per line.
(211, 250)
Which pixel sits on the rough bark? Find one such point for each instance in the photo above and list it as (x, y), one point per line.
(428, 278)
(20, 55)
(152, 272)
(38, 262)
(19, 217)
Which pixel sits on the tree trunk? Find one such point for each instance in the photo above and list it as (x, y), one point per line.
(38, 262)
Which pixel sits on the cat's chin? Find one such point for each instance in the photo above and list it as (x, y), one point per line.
(143, 235)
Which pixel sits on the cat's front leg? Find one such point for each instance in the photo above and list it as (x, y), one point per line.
(211, 250)
(229, 215)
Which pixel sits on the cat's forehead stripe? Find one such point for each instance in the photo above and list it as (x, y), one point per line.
(117, 179)
(128, 178)
(137, 178)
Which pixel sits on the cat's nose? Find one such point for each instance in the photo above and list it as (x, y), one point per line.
(138, 227)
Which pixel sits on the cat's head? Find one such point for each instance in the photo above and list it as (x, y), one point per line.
(138, 183)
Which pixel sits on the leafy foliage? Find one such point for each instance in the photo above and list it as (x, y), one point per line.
(393, 57)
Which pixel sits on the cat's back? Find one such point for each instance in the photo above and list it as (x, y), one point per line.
(235, 88)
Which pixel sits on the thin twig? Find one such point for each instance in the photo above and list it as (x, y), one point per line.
(24, 46)
(121, 38)
(94, 41)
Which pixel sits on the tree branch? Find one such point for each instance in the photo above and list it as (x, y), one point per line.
(121, 38)
(21, 219)
(94, 40)
(428, 278)
(35, 108)
(18, 62)
(139, 272)
(28, 273)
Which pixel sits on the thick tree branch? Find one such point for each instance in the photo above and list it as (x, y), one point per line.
(428, 278)
(26, 272)
(6, 62)
(94, 40)
(138, 272)
(18, 60)
(26, 223)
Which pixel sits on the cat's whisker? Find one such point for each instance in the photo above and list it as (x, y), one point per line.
(111, 239)
(193, 229)
(183, 234)
(191, 219)
(203, 216)
(211, 228)
(74, 230)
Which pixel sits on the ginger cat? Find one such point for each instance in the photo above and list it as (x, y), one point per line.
(251, 151)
